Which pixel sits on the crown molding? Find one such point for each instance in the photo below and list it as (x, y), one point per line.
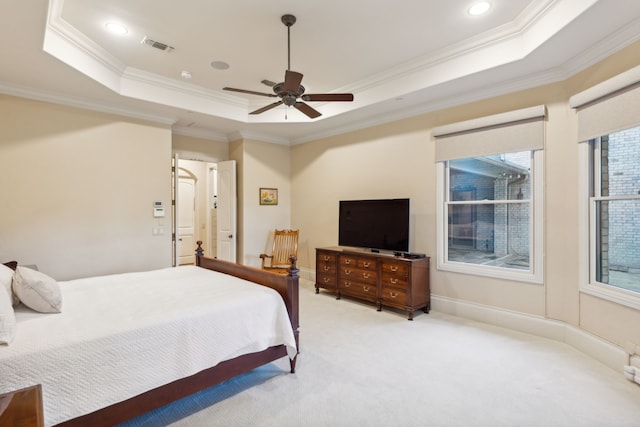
(257, 136)
(56, 98)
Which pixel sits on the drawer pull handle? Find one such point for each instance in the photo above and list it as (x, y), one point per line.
(326, 280)
(394, 268)
(326, 268)
(347, 284)
(347, 271)
(366, 288)
(393, 295)
(347, 261)
(366, 275)
(366, 264)
(393, 281)
(326, 258)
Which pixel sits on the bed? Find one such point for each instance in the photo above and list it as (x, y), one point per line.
(148, 339)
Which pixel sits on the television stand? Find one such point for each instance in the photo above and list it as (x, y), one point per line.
(398, 282)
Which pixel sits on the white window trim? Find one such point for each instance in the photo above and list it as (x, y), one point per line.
(535, 274)
(588, 284)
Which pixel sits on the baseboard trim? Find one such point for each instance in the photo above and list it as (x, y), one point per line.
(307, 274)
(605, 352)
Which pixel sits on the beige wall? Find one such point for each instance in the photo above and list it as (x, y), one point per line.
(194, 148)
(397, 160)
(78, 189)
(260, 164)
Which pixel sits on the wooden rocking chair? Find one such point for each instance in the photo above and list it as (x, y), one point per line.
(285, 245)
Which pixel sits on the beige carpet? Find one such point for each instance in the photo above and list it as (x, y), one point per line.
(360, 367)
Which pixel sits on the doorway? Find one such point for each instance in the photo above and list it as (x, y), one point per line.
(204, 209)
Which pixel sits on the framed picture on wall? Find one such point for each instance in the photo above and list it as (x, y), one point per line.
(268, 196)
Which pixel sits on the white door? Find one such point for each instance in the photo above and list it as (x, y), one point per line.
(227, 200)
(186, 220)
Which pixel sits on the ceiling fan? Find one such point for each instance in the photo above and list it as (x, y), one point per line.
(291, 90)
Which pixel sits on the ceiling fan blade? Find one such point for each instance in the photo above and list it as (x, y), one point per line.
(328, 97)
(268, 83)
(306, 109)
(292, 81)
(267, 108)
(250, 92)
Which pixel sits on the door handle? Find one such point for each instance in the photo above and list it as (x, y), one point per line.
(230, 236)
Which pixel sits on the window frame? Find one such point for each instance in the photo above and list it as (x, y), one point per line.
(535, 272)
(590, 174)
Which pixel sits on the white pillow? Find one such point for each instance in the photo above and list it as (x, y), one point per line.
(6, 278)
(7, 319)
(37, 291)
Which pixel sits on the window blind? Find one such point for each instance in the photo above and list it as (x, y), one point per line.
(518, 130)
(608, 107)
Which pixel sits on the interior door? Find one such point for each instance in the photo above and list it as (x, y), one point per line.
(186, 220)
(227, 201)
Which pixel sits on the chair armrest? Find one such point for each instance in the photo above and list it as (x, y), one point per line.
(264, 259)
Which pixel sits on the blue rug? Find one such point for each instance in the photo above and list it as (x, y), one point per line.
(206, 398)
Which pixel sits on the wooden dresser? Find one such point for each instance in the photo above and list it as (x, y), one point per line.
(385, 280)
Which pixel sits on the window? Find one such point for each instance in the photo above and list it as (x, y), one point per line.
(489, 210)
(615, 210)
(489, 193)
(609, 147)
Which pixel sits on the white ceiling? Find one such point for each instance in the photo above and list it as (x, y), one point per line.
(399, 58)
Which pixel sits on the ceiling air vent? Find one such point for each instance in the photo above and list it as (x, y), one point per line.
(161, 46)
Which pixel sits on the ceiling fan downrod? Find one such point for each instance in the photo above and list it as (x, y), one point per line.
(288, 20)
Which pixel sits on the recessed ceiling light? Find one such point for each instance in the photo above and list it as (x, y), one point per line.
(116, 28)
(479, 8)
(219, 65)
(186, 74)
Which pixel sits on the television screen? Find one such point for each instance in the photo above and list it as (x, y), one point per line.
(374, 224)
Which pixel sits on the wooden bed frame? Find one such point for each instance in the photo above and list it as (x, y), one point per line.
(287, 287)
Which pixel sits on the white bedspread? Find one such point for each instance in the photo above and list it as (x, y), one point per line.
(121, 335)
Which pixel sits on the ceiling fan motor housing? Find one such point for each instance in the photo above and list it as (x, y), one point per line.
(288, 97)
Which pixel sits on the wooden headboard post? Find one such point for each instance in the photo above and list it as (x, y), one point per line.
(199, 252)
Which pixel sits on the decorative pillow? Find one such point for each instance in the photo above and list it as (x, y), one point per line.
(6, 278)
(12, 265)
(7, 319)
(37, 291)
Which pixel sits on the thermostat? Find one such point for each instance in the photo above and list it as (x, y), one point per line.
(158, 210)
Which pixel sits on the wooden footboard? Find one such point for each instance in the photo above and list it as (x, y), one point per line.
(287, 287)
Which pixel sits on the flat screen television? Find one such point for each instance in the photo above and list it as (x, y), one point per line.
(374, 224)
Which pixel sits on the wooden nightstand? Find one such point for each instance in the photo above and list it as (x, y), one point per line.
(22, 408)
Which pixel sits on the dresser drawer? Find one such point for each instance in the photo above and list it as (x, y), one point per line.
(394, 296)
(359, 289)
(392, 280)
(356, 274)
(358, 262)
(326, 280)
(326, 268)
(396, 268)
(326, 257)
